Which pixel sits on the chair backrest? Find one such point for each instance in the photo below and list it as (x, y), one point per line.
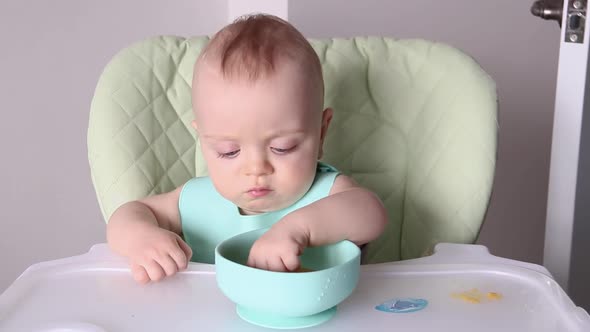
(414, 120)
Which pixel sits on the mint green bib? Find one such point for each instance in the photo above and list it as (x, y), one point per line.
(208, 218)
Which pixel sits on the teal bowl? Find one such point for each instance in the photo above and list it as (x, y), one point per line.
(287, 299)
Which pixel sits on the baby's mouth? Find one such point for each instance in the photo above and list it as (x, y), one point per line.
(258, 192)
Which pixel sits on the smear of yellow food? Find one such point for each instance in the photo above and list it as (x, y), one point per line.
(470, 299)
(303, 269)
(476, 297)
(494, 296)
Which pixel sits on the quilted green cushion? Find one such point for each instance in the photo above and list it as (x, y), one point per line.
(415, 121)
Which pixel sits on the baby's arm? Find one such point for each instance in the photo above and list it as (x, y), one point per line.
(147, 232)
(349, 212)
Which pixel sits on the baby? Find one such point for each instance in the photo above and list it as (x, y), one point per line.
(258, 109)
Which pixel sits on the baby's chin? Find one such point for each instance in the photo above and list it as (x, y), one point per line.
(259, 207)
(252, 210)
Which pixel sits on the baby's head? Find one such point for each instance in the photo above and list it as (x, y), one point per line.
(258, 103)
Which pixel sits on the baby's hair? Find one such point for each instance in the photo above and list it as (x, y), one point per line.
(253, 45)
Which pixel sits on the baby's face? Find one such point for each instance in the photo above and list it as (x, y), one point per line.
(261, 140)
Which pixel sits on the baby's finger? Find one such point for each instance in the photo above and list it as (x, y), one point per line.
(291, 262)
(179, 257)
(154, 271)
(276, 264)
(168, 265)
(139, 274)
(188, 252)
(257, 262)
(251, 261)
(264, 265)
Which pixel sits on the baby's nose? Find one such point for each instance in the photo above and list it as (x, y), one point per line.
(258, 165)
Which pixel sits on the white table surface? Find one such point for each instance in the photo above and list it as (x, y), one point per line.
(95, 292)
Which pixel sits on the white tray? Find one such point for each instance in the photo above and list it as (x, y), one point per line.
(94, 292)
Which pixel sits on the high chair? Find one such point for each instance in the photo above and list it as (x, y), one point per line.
(415, 121)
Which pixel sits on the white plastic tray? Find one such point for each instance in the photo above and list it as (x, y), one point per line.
(94, 292)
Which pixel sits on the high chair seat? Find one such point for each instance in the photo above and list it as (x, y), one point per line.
(415, 121)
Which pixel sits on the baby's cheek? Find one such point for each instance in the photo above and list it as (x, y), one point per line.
(223, 184)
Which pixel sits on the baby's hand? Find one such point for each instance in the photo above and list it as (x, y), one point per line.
(156, 254)
(278, 249)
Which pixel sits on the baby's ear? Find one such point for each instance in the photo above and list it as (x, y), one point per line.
(326, 118)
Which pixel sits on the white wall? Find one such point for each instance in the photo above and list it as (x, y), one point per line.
(237, 8)
(52, 52)
(51, 55)
(518, 50)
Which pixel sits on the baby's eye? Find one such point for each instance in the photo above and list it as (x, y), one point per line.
(282, 151)
(231, 154)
